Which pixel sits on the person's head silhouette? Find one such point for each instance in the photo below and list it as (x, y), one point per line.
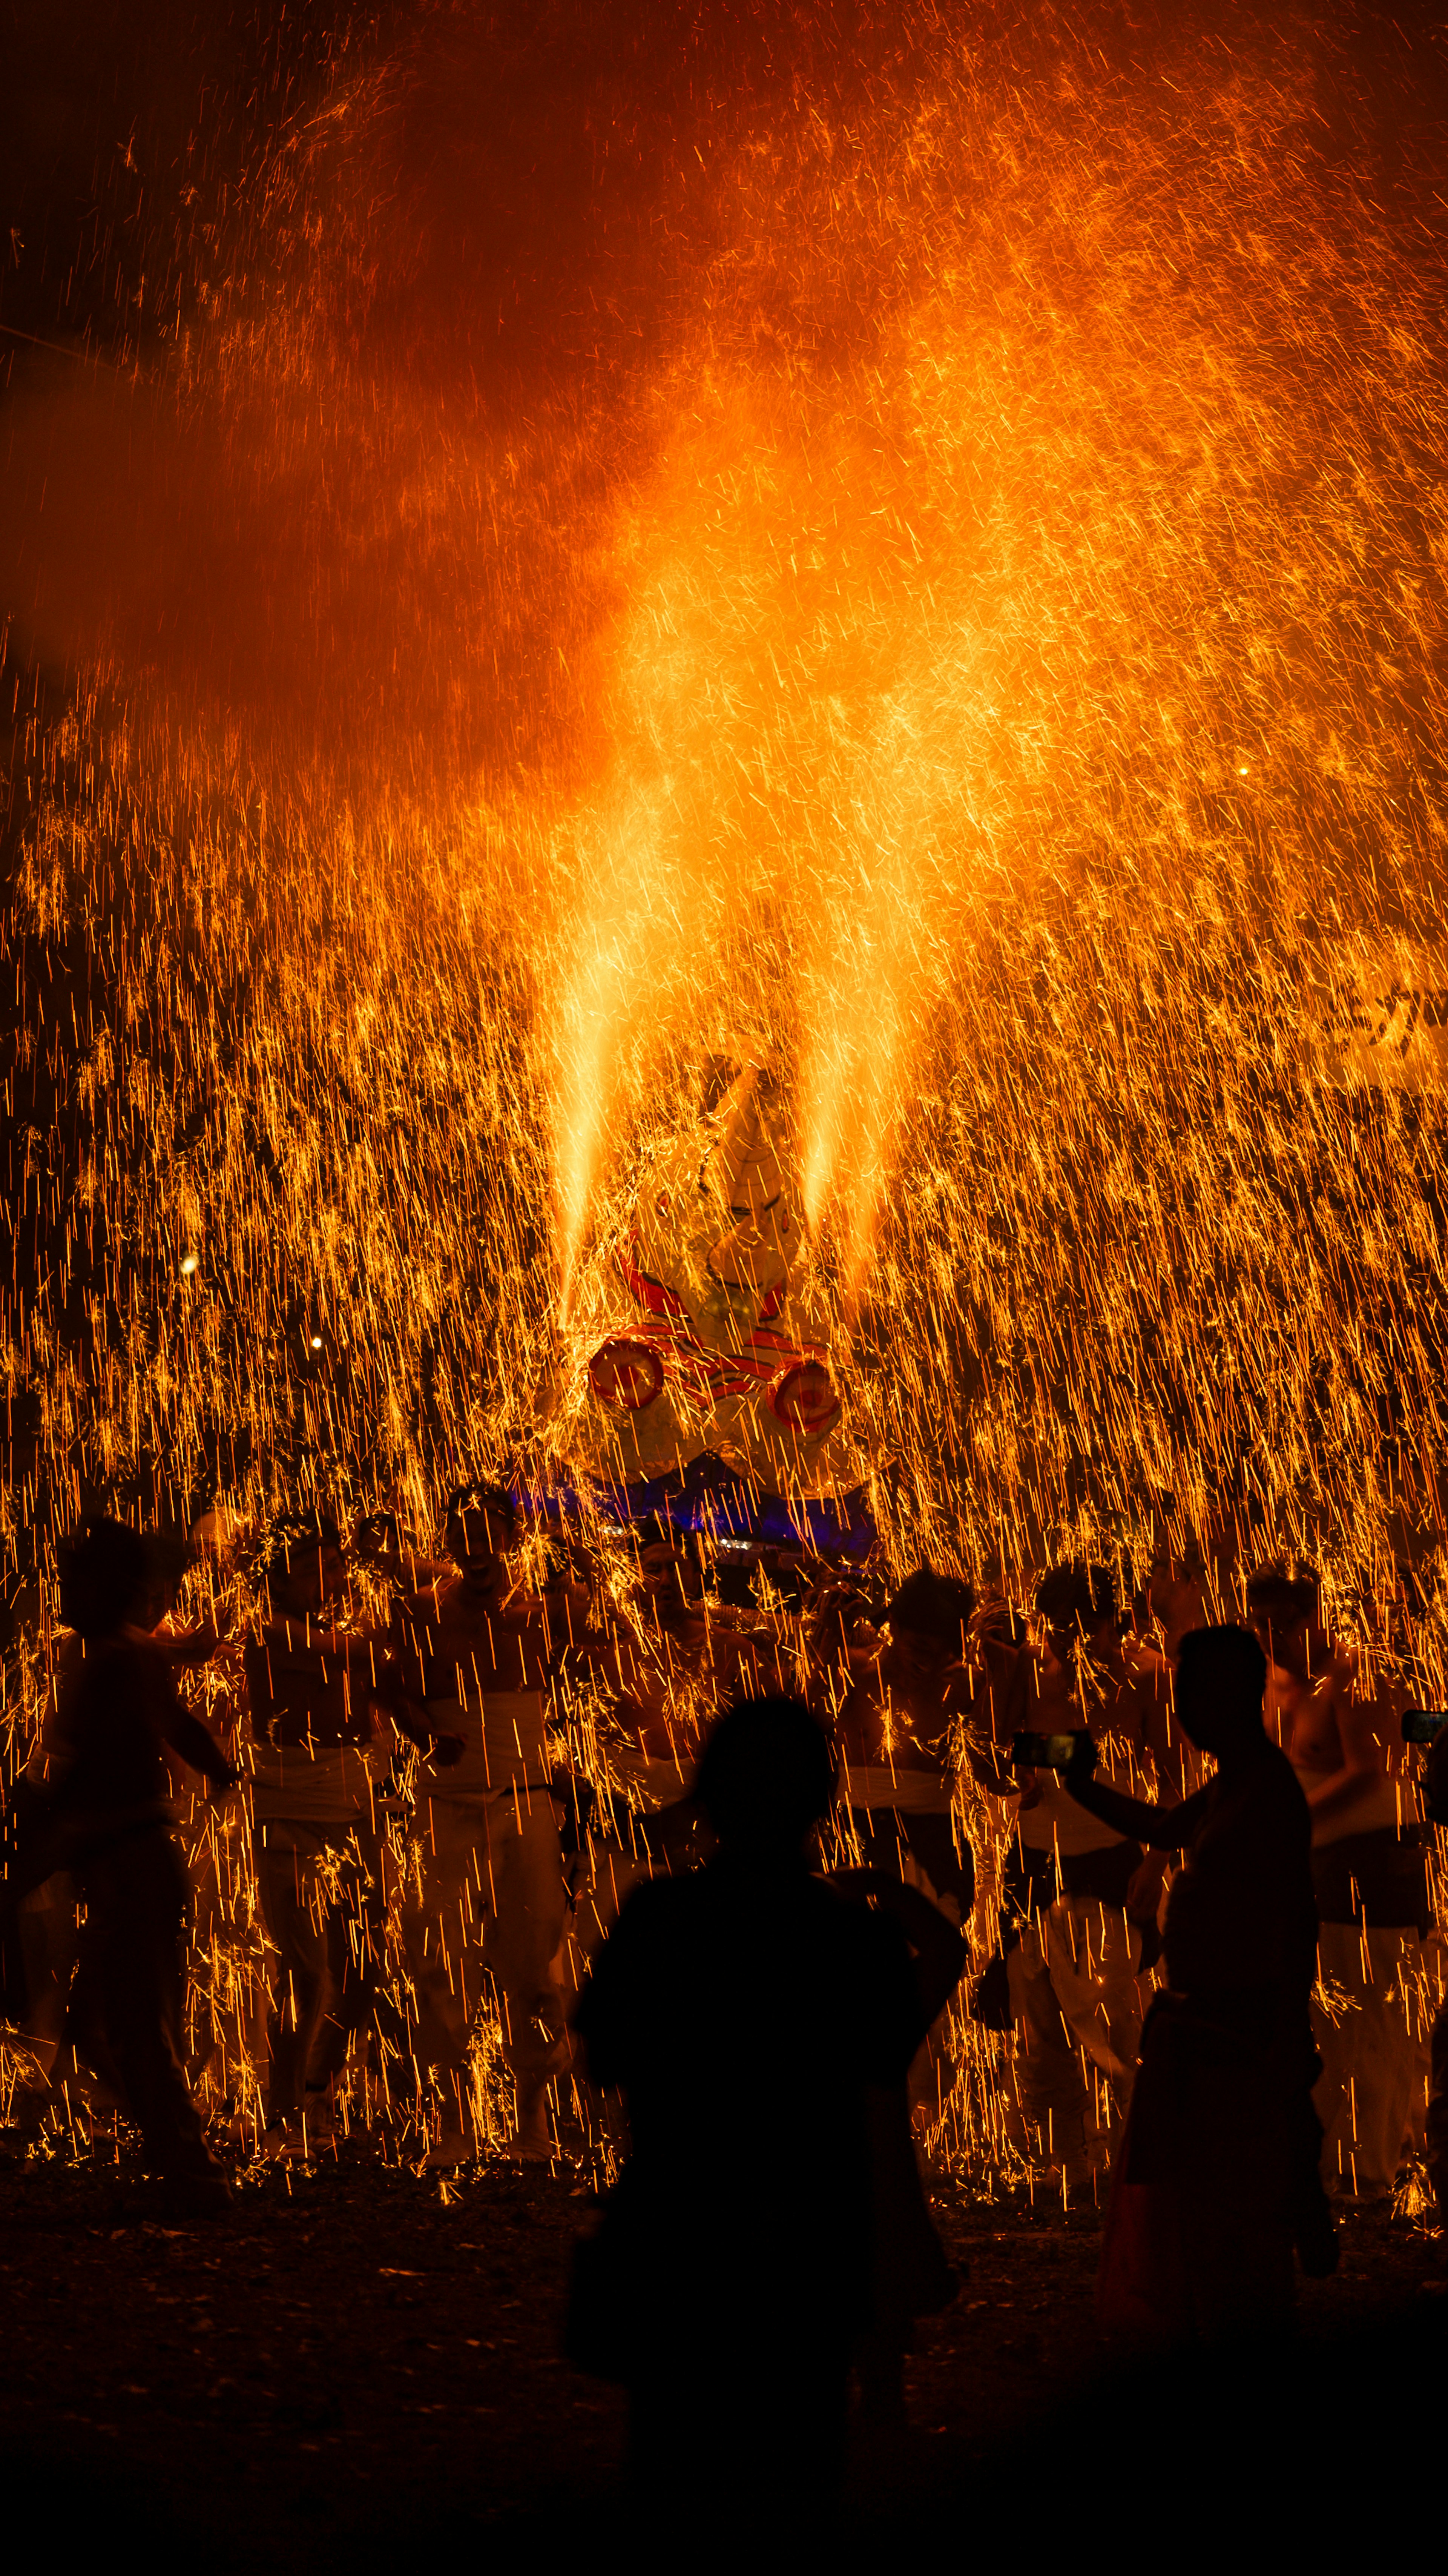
(767, 1777)
(1221, 1676)
(104, 1572)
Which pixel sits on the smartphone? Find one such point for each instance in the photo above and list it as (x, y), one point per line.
(1043, 1752)
(1421, 1725)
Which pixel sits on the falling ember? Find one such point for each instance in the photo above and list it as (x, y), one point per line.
(933, 571)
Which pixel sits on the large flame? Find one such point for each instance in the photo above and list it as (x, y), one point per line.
(943, 566)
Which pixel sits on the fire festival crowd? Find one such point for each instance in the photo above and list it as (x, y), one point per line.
(1205, 1919)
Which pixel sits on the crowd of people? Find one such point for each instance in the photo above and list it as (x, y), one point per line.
(507, 1788)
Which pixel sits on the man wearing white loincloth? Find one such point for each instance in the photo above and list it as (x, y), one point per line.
(1369, 1876)
(897, 1740)
(895, 1731)
(314, 1753)
(473, 1661)
(1085, 1896)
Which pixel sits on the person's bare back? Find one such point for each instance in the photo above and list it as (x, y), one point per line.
(898, 1714)
(1322, 1708)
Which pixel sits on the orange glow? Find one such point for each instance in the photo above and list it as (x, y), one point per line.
(954, 600)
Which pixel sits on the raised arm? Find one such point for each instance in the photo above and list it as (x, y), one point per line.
(1160, 1828)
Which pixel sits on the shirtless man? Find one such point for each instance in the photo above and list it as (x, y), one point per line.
(1368, 1876)
(894, 1739)
(664, 1670)
(110, 1822)
(472, 1664)
(311, 1687)
(48, 1918)
(670, 1668)
(1086, 1896)
(896, 1735)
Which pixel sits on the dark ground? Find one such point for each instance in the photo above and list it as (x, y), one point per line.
(355, 2369)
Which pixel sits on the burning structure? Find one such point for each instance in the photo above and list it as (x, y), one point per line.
(716, 1351)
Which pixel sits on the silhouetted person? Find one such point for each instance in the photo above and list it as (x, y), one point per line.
(747, 2010)
(1435, 1799)
(105, 1749)
(1217, 2175)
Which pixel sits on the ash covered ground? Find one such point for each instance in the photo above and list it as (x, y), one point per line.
(362, 2362)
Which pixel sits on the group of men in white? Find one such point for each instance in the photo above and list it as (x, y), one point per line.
(472, 1672)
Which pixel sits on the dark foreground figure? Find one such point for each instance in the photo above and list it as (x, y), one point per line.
(1217, 2179)
(104, 1814)
(761, 2024)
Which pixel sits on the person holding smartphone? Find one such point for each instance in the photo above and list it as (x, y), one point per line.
(1083, 1892)
(1217, 2177)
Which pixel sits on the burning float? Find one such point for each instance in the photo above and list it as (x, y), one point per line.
(698, 1379)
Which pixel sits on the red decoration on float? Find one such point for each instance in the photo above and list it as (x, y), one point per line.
(802, 1396)
(625, 1375)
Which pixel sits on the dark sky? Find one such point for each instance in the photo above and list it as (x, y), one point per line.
(110, 110)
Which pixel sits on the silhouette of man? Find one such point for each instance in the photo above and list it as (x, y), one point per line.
(747, 2010)
(105, 1748)
(1217, 2175)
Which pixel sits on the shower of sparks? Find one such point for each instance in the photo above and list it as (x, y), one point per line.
(986, 649)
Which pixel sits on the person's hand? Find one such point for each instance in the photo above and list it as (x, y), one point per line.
(192, 1645)
(925, 1922)
(1143, 1893)
(371, 1537)
(858, 1882)
(446, 1751)
(1081, 1767)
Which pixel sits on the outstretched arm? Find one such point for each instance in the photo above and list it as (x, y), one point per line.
(1160, 1828)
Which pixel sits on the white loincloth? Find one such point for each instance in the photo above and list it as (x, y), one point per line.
(313, 1784)
(650, 1783)
(909, 1792)
(504, 1739)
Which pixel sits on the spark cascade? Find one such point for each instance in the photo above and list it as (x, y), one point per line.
(970, 622)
